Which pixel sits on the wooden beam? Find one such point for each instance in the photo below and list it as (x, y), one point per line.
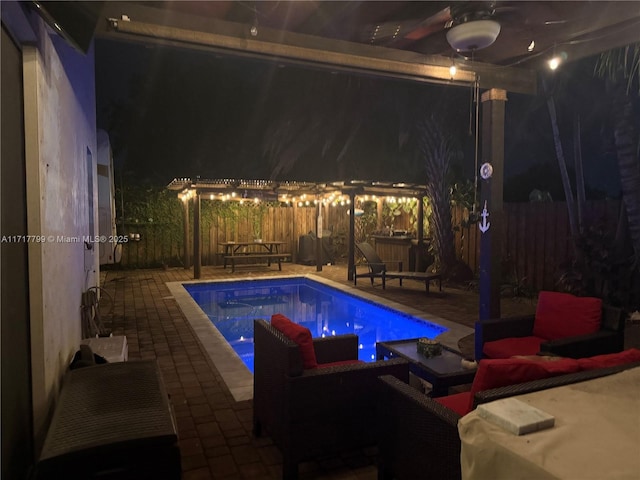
(149, 26)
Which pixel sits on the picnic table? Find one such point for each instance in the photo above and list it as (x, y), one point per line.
(253, 250)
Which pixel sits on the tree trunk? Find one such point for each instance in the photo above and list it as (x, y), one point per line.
(626, 142)
(568, 192)
(580, 193)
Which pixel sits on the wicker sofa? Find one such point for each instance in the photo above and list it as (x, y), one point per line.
(418, 435)
(313, 411)
(563, 325)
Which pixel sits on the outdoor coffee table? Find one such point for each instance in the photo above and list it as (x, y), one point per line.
(442, 371)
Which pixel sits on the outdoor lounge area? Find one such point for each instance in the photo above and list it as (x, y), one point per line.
(293, 130)
(215, 432)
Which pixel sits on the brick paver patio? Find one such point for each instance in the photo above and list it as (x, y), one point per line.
(215, 431)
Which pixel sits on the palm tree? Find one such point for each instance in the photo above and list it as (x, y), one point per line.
(438, 150)
(621, 69)
(603, 266)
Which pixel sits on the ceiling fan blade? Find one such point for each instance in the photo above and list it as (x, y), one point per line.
(429, 25)
(397, 33)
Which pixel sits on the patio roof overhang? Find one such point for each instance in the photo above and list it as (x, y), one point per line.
(134, 22)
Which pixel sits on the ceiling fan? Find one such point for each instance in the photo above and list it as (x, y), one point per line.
(468, 26)
(473, 26)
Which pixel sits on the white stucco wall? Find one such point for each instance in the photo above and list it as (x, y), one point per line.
(106, 199)
(60, 135)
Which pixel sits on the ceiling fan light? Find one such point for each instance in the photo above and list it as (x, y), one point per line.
(473, 35)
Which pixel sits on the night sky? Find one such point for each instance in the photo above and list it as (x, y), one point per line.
(174, 113)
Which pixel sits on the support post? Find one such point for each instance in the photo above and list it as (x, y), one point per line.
(491, 207)
(294, 233)
(420, 235)
(319, 228)
(197, 250)
(185, 223)
(420, 220)
(379, 210)
(351, 268)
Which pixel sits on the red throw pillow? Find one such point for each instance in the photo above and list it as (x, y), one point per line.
(501, 372)
(299, 334)
(630, 355)
(560, 315)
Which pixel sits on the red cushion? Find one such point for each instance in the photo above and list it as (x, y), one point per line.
(610, 359)
(299, 334)
(458, 402)
(500, 372)
(560, 315)
(508, 347)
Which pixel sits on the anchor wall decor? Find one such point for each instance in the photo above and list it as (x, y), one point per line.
(484, 225)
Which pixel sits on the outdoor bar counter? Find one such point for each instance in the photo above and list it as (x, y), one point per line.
(402, 248)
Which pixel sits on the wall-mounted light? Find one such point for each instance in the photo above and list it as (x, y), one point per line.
(556, 60)
(554, 63)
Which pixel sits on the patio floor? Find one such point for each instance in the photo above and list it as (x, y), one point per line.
(214, 430)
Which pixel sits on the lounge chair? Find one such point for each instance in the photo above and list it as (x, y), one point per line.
(378, 269)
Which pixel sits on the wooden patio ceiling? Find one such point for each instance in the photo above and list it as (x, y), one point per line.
(404, 39)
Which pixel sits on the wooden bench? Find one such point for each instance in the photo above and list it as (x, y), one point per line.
(268, 257)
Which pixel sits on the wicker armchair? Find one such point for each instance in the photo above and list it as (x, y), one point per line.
(418, 437)
(608, 339)
(315, 411)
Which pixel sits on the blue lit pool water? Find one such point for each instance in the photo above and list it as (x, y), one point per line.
(232, 307)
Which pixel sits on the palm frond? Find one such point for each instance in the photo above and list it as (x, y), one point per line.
(621, 64)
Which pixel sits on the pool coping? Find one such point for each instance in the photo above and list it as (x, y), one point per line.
(234, 372)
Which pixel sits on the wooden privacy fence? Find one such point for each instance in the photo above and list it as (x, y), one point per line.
(536, 239)
(287, 224)
(536, 236)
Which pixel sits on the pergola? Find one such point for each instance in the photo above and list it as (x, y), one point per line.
(293, 193)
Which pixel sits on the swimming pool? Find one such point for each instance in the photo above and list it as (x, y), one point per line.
(231, 306)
